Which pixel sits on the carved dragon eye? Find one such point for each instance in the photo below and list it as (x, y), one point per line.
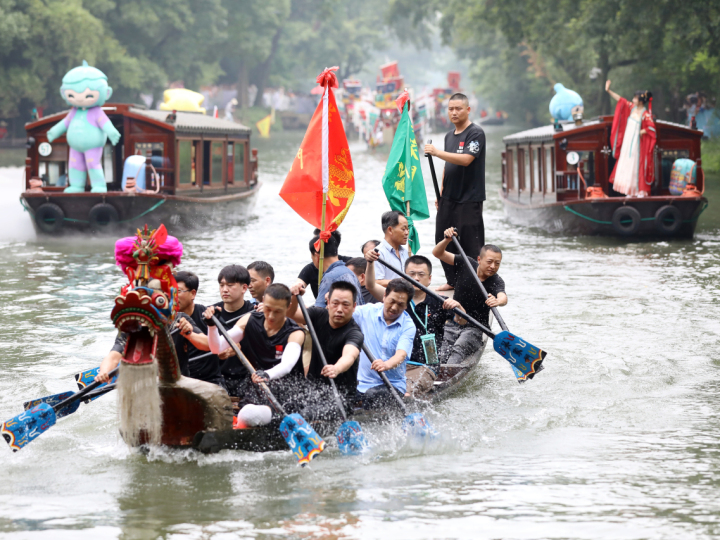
(159, 300)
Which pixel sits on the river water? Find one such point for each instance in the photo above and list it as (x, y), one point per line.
(616, 439)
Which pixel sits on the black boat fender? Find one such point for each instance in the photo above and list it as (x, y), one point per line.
(668, 219)
(50, 218)
(103, 217)
(626, 220)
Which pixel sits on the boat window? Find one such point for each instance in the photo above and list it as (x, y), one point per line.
(53, 173)
(150, 149)
(186, 162)
(107, 163)
(217, 150)
(537, 170)
(527, 177)
(509, 168)
(549, 170)
(239, 163)
(668, 157)
(521, 169)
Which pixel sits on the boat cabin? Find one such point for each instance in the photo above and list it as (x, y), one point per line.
(178, 153)
(536, 171)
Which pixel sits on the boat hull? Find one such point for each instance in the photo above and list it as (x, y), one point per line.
(595, 216)
(134, 210)
(268, 438)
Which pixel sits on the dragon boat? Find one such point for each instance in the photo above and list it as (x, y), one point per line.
(159, 405)
(556, 177)
(185, 169)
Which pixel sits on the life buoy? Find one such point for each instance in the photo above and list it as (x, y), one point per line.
(668, 219)
(103, 217)
(50, 218)
(626, 220)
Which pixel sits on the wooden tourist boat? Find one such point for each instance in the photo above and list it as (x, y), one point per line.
(199, 169)
(556, 178)
(268, 438)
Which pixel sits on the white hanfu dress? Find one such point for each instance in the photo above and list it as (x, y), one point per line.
(628, 166)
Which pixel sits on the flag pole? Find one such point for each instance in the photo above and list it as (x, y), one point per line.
(325, 174)
(407, 203)
(322, 243)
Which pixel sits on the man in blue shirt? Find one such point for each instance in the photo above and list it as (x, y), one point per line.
(389, 333)
(335, 270)
(392, 249)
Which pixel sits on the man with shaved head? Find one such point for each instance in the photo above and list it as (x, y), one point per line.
(462, 192)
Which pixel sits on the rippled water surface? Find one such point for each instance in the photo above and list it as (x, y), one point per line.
(616, 439)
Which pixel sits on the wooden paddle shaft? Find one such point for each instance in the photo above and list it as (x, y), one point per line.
(432, 293)
(386, 380)
(248, 366)
(316, 343)
(84, 392)
(432, 172)
(472, 271)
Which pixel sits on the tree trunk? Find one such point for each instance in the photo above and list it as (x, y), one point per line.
(604, 65)
(242, 86)
(263, 69)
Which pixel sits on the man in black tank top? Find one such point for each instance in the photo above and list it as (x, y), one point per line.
(273, 344)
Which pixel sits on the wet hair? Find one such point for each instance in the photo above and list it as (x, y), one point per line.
(489, 247)
(419, 259)
(233, 273)
(390, 219)
(358, 265)
(191, 281)
(343, 286)
(457, 96)
(262, 268)
(375, 244)
(399, 285)
(331, 246)
(643, 96)
(278, 291)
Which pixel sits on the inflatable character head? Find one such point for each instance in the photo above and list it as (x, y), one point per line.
(85, 86)
(565, 103)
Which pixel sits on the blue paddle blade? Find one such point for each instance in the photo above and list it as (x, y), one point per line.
(525, 358)
(304, 443)
(416, 426)
(86, 377)
(351, 439)
(20, 431)
(54, 400)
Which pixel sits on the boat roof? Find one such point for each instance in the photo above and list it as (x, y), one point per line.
(545, 133)
(188, 122)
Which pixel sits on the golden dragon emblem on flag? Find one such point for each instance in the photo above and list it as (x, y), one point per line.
(340, 176)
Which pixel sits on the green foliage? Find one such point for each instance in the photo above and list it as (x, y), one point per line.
(711, 155)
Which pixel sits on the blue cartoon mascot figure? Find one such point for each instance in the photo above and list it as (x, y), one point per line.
(565, 103)
(88, 128)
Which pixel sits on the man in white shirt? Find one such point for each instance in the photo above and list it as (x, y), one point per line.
(392, 249)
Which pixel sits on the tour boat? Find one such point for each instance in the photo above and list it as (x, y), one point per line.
(555, 177)
(180, 168)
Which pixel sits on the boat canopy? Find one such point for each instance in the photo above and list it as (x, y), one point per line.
(193, 123)
(545, 133)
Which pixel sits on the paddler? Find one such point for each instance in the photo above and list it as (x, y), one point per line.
(272, 343)
(389, 333)
(341, 340)
(462, 189)
(467, 292)
(310, 273)
(334, 270)
(393, 248)
(429, 316)
(262, 275)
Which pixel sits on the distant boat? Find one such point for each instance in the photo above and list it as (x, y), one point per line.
(556, 178)
(179, 168)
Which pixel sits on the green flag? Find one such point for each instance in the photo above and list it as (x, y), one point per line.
(403, 180)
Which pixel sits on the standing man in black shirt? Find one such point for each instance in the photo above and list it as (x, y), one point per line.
(341, 340)
(462, 191)
(469, 294)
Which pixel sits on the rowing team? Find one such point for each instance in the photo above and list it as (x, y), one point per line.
(409, 333)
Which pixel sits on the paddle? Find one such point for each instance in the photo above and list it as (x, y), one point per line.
(432, 171)
(350, 436)
(524, 357)
(21, 430)
(414, 424)
(57, 398)
(304, 443)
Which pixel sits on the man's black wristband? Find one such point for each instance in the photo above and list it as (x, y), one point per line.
(264, 376)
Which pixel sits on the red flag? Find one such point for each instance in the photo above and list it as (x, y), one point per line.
(322, 165)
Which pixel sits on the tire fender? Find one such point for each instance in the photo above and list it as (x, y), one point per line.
(50, 218)
(626, 220)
